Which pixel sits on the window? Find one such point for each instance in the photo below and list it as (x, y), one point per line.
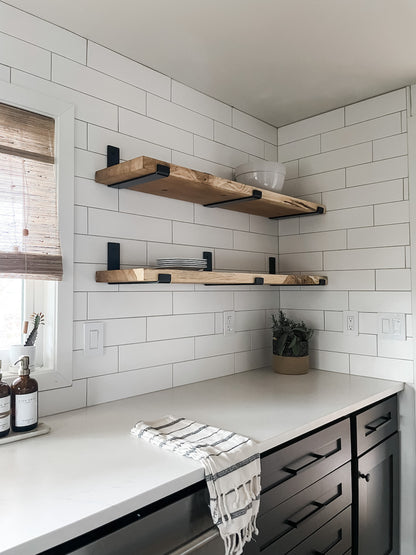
(36, 191)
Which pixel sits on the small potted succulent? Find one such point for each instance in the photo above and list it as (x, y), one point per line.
(29, 348)
(290, 345)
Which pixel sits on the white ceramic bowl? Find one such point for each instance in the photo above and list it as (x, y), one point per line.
(262, 174)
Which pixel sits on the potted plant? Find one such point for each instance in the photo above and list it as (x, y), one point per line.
(290, 345)
(29, 348)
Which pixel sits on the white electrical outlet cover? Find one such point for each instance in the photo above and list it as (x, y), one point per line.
(391, 326)
(350, 322)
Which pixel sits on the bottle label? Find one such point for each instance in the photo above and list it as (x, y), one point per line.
(26, 409)
(4, 409)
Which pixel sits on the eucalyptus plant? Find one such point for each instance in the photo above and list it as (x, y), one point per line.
(290, 338)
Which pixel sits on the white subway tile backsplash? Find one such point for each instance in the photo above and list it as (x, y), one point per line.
(250, 320)
(87, 108)
(299, 149)
(270, 152)
(329, 361)
(155, 353)
(81, 134)
(377, 193)
(145, 204)
(390, 147)
(80, 306)
(289, 226)
(254, 126)
(202, 369)
(391, 213)
(128, 304)
(340, 158)
(338, 219)
(258, 224)
(219, 153)
(314, 300)
(95, 195)
(252, 300)
(367, 322)
(379, 236)
(63, 399)
(154, 131)
(334, 321)
(192, 234)
(128, 226)
(312, 318)
(178, 116)
(343, 343)
(186, 325)
(201, 103)
(254, 242)
(391, 301)
(92, 82)
(201, 165)
(292, 169)
(93, 249)
(25, 56)
(219, 217)
(396, 280)
(362, 132)
(302, 262)
(237, 139)
(116, 332)
(87, 366)
(316, 183)
(103, 389)
(130, 147)
(392, 168)
(376, 107)
(214, 345)
(5, 73)
(311, 126)
(240, 261)
(312, 242)
(41, 33)
(127, 70)
(248, 360)
(87, 163)
(365, 259)
(383, 368)
(261, 339)
(202, 301)
(397, 350)
(84, 278)
(350, 280)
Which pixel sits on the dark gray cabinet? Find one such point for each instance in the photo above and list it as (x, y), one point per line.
(376, 510)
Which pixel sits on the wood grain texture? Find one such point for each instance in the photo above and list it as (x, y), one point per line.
(203, 188)
(149, 275)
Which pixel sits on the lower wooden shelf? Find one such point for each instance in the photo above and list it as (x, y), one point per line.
(158, 275)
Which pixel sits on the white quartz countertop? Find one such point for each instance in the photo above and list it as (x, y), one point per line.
(89, 470)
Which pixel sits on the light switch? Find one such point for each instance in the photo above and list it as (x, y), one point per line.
(93, 338)
(392, 326)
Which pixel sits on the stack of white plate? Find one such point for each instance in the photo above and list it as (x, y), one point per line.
(182, 263)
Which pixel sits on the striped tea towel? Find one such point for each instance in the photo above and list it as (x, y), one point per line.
(232, 471)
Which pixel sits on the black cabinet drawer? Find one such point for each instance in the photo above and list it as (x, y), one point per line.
(297, 466)
(334, 538)
(292, 521)
(375, 424)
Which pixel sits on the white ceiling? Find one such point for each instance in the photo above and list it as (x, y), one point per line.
(279, 60)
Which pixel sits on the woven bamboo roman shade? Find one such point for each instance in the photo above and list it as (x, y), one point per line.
(29, 235)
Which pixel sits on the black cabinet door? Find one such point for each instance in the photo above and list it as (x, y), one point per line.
(378, 499)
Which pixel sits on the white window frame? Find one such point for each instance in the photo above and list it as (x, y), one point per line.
(63, 113)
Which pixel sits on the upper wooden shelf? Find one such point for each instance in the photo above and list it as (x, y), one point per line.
(152, 275)
(152, 176)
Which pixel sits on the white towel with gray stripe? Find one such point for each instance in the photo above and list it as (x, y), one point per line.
(232, 472)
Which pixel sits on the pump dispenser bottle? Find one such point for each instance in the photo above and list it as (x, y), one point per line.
(4, 407)
(24, 399)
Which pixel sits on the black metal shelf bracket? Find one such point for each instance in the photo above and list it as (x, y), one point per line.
(113, 158)
(207, 255)
(255, 195)
(319, 210)
(163, 278)
(272, 265)
(113, 256)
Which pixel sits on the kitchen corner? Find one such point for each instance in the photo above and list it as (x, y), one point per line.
(89, 470)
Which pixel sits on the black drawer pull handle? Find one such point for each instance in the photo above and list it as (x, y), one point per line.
(377, 423)
(333, 544)
(303, 514)
(315, 458)
(366, 477)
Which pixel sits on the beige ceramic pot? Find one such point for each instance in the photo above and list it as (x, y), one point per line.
(290, 365)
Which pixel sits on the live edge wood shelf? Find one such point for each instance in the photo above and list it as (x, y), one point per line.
(148, 175)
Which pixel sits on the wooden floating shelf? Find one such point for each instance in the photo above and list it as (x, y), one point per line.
(153, 275)
(148, 175)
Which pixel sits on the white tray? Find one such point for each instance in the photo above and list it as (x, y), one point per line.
(40, 430)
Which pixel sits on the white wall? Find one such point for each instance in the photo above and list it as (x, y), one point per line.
(156, 336)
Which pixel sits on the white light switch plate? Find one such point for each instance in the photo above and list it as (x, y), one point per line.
(391, 326)
(93, 338)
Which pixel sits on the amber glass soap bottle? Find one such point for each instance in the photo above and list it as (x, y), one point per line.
(4, 407)
(24, 399)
